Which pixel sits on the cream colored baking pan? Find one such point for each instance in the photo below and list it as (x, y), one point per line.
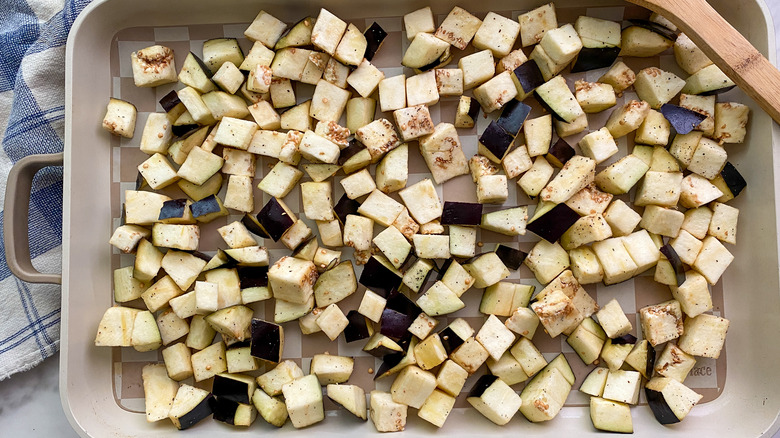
(100, 388)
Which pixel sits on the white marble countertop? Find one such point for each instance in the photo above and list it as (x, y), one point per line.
(30, 403)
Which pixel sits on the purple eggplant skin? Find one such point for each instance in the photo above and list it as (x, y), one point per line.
(274, 219)
(225, 409)
(183, 130)
(461, 213)
(543, 103)
(173, 209)
(198, 413)
(357, 328)
(496, 140)
(202, 65)
(388, 361)
(350, 151)
(513, 116)
(253, 225)
(345, 207)
(682, 119)
(733, 179)
(375, 36)
(474, 108)
(663, 413)
(253, 276)
(140, 182)
(559, 153)
(718, 91)
(655, 27)
(169, 101)
(512, 258)
(650, 366)
(482, 385)
(592, 58)
(554, 223)
(450, 340)
(267, 340)
(529, 76)
(379, 278)
(401, 303)
(225, 388)
(205, 206)
(624, 340)
(677, 264)
(394, 324)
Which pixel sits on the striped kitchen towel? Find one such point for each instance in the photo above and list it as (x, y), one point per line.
(32, 119)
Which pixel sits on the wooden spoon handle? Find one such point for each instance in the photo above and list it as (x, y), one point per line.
(726, 47)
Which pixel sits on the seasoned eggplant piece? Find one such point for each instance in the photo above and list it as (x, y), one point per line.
(267, 340)
(174, 208)
(350, 151)
(190, 406)
(275, 218)
(655, 27)
(512, 258)
(375, 36)
(733, 179)
(379, 278)
(253, 225)
(551, 225)
(461, 213)
(224, 410)
(450, 340)
(513, 116)
(389, 362)
(345, 207)
(529, 76)
(591, 58)
(357, 328)
(482, 384)
(235, 388)
(252, 276)
(298, 36)
(682, 119)
(172, 105)
(394, 323)
(380, 346)
(205, 206)
(560, 153)
(677, 264)
(495, 141)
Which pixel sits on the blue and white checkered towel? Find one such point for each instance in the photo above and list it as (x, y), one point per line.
(32, 119)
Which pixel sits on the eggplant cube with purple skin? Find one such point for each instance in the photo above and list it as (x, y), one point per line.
(669, 399)
(494, 399)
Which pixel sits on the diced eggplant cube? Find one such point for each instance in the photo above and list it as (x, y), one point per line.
(534, 23)
(354, 45)
(267, 340)
(494, 399)
(190, 406)
(669, 399)
(120, 118)
(413, 122)
(443, 154)
(704, 335)
(553, 224)
(477, 68)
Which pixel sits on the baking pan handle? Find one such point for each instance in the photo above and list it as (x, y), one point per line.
(15, 216)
